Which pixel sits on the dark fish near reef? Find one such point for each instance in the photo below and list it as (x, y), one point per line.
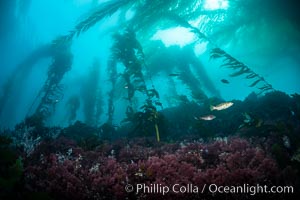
(247, 119)
(221, 106)
(206, 118)
(250, 121)
(225, 81)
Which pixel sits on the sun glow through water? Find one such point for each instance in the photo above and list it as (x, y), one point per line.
(216, 4)
(174, 36)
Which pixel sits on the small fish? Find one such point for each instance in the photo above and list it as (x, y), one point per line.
(247, 119)
(174, 74)
(225, 81)
(221, 106)
(206, 118)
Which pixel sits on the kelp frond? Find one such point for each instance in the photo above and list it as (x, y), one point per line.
(184, 23)
(243, 70)
(232, 63)
(255, 83)
(104, 10)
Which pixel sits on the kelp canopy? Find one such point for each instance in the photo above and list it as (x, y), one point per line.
(226, 31)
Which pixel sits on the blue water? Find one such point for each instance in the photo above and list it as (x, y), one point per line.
(266, 42)
(98, 97)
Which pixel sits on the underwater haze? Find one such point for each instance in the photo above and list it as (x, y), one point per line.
(127, 86)
(263, 38)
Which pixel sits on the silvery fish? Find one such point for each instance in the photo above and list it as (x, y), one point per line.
(206, 118)
(221, 106)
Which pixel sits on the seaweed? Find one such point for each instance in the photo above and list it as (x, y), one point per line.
(254, 83)
(91, 96)
(112, 70)
(52, 90)
(85, 136)
(232, 63)
(104, 10)
(72, 105)
(146, 121)
(129, 52)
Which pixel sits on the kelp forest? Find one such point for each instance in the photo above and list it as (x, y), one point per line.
(141, 99)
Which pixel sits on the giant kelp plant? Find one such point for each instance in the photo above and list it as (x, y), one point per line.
(52, 91)
(92, 97)
(150, 112)
(129, 52)
(150, 16)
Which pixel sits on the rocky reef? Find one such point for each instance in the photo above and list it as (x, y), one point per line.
(255, 142)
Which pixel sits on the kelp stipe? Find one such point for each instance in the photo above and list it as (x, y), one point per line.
(128, 51)
(52, 91)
